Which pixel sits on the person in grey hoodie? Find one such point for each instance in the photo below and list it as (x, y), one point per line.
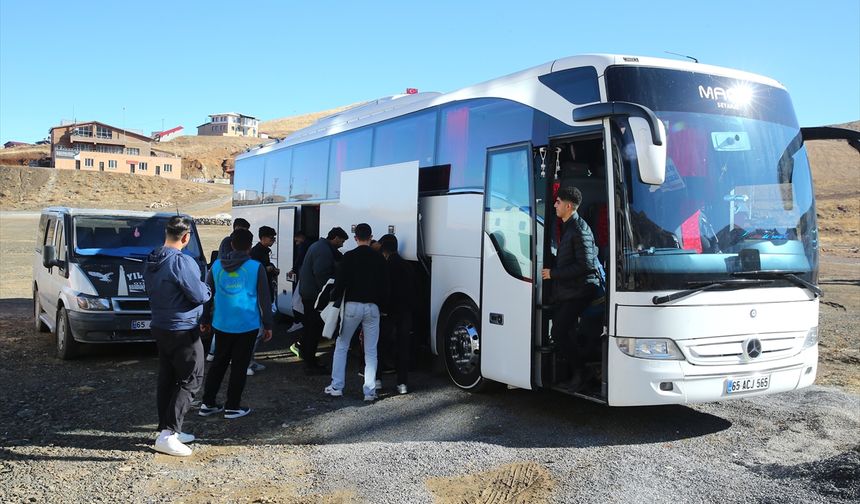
(241, 306)
(176, 296)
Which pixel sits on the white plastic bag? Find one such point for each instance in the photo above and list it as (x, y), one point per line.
(297, 305)
(330, 315)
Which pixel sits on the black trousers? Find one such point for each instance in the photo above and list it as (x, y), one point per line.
(396, 344)
(564, 324)
(180, 374)
(234, 351)
(311, 334)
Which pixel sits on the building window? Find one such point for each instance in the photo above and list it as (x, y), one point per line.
(141, 167)
(83, 147)
(102, 132)
(84, 131)
(88, 161)
(111, 163)
(109, 149)
(168, 167)
(133, 151)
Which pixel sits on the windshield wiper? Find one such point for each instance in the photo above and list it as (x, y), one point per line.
(791, 276)
(733, 284)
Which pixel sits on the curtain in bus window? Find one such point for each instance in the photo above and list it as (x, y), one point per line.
(349, 151)
(468, 129)
(409, 139)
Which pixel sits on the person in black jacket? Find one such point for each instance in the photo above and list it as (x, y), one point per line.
(362, 282)
(262, 253)
(317, 268)
(575, 280)
(397, 325)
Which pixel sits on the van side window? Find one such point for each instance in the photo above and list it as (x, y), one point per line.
(49, 233)
(61, 244)
(40, 234)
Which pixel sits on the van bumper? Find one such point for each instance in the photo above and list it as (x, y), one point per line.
(108, 327)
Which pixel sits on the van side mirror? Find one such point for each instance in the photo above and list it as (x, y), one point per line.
(647, 130)
(49, 256)
(651, 157)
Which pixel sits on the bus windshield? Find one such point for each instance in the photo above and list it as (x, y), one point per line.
(738, 191)
(123, 236)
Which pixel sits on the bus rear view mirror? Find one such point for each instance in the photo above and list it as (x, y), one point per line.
(648, 132)
(652, 158)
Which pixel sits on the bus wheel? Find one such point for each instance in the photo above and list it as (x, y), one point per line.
(462, 345)
(66, 345)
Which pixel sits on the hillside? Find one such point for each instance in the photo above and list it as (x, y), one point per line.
(24, 188)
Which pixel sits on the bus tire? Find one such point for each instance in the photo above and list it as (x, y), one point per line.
(37, 311)
(461, 340)
(67, 347)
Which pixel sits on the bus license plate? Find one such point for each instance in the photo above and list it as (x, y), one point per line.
(140, 324)
(747, 384)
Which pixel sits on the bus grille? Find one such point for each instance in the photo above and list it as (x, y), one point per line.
(724, 350)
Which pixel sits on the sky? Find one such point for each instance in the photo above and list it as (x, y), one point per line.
(154, 65)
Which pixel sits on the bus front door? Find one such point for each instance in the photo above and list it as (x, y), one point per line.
(507, 285)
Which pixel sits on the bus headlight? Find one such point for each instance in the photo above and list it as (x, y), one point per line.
(92, 303)
(650, 348)
(811, 338)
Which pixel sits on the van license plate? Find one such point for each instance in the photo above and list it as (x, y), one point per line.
(140, 324)
(747, 384)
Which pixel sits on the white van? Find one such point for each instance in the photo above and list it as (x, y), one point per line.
(88, 282)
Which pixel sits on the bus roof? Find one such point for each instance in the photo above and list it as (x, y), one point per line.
(506, 87)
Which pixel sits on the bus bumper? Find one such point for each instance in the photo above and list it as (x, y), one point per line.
(641, 382)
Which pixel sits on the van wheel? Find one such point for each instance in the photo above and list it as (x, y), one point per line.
(462, 346)
(37, 310)
(67, 347)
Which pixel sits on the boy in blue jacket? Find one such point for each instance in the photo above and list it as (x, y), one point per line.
(176, 296)
(240, 306)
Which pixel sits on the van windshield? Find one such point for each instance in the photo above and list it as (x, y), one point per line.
(121, 236)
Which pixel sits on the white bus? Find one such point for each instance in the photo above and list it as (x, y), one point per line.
(695, 183)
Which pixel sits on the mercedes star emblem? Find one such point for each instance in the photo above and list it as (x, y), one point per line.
(752, 348)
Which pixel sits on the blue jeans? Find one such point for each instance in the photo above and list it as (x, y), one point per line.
(366, 314)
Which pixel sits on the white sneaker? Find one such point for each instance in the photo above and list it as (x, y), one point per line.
(210, 357)
(250, 372)
(369, 397)
(378, 384)
(402, 389)
(256, 366)
(185, 437)
(333, 391)
(171, 445)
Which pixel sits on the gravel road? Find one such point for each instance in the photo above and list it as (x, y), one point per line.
(81, 431)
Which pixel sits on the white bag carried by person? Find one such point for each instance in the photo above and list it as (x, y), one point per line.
(297, 305)
(330, 316)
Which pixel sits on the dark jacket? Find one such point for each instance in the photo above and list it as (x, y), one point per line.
(402, 282)
(317, 268)
(576, 263)
(176, 293)
(231, 262)
(363, 276)
(263, 255)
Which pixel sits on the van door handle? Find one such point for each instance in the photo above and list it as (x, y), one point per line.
(497, 318)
